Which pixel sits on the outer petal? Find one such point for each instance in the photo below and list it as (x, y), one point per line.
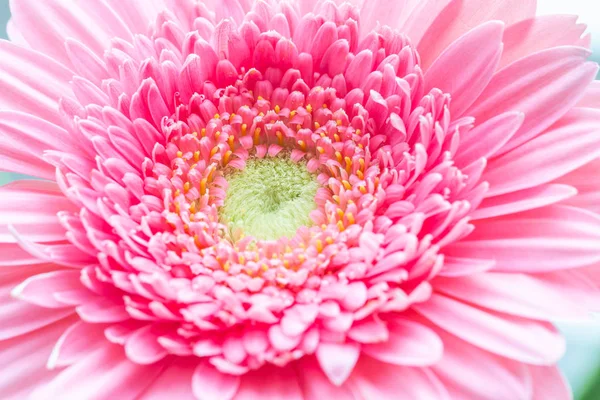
(544, 86)
(549, 383)
(23, 366)
(571, 143)
(539, 343)
(376, 380)
(210, 384)
(32, 82)
(463, 15)
(46, 24)
(466, 67)
(174, 382)
(547, 239)
(105, 374)
(470, 373)
(586, 180)
(270, 383)
(540, 33)
(316, 386)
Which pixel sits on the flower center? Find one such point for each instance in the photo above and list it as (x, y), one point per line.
(271, 198)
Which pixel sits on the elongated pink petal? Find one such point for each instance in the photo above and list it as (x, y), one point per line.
(461, 16)
(210, 384)
(409, 344)
(540, 33)
(338, 360)
(515, 294)
(543, 86)
(461, 373)
(106, 373)
(174, 382)
(539, 343)
(315, 384)
(586, 181)
(377, 380)
(76, 343)
(466, 67)
(547, 239)
(549, 382)
(26, 356)
(523, 200)
(270, 383)
(40, 289)
(571, 143)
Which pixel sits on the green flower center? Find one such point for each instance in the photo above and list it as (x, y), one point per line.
(271, 198)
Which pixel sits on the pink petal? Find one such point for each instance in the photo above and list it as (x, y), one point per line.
(210, 384)
(40, 289)
(516, 294)
(539, 343)
(487, 138)
(270, 383)
(377, 380)
(31, 82)
(142, 346)
(466, 67)
(76, 343)
(543, 86)
(549, 383)
(409, 343)
(46, 24)
(173, 382)
(535, 241)
(24, 359)
(523, 200)
(460, 266)
(337, 360)
(540, 33)
(461, 371)
(569, 144)
(106, 372)
(461, 16)
(316, 386)
(586, 180)
(591, 97)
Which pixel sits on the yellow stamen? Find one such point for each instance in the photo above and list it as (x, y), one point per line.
(214, 151)
(277, 109)
(319, 245)
(203, 186)
(179, 154)
(309, 108)
(197, 156)
(186, 187)
(341, 226)
(347, 185)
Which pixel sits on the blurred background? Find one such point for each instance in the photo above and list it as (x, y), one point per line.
(581, 363)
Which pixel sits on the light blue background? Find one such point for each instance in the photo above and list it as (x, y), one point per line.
(583, 340)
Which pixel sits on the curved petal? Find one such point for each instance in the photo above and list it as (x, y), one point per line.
(106, 373)
(540, 33)
(461, 16)
(538, 342)
(461, 371)
(466, 67)
(586, 180)
(373, 379)
(409, 343)
(547, 239)
(571, 143)
(549, 383)
(174, 382)
(270, 383)
(316, 386)
(543, 86)
(338, 360)
(211, 384)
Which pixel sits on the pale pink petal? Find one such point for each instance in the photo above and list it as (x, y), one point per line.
(549, 383)
(338, 360)
(586, 180)
(547, 239)
(465, 68)
(382, 12)
(527, 296)
(77, 342)
(523, 200)
(540, 33)
(106, 373)
(461, 16)
(461, 371)
(316, 386)
(46, 24)
(270, 383)
(142, 346)
(174, 382)
(24, 360)
(40, 289)
(377, 380)
(539, 343)
(210, 384)
(591, 97)
(461, 266)
(543, 86)
(32, 82)
(409, 343)
(417, 21)
(571, 143)
(37, 217)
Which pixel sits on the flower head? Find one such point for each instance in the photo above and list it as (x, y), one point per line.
(262, 199)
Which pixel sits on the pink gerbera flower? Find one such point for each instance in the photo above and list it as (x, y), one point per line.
(281, 200)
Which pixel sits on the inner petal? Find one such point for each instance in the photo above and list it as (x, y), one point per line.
(271, 198)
